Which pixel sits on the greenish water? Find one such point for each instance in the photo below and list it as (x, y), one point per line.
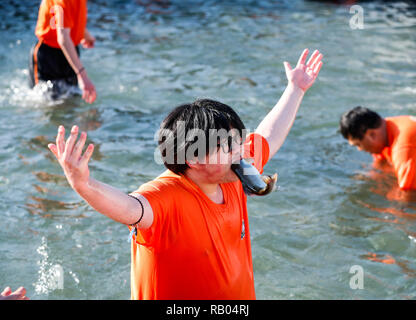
(328, 215)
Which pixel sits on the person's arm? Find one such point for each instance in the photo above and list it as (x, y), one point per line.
(276, 125)
(404, 164)
(404, 169)
(105, 199)
(68, 48)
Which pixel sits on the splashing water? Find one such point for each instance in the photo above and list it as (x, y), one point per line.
(50, 277)
(45, 93)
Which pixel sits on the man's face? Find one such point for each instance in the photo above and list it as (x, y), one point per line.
(372, 142)
(217, 167)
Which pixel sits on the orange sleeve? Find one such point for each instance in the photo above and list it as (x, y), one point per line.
(63, 13)
(404, 163)
(160, 200)
(256, 147)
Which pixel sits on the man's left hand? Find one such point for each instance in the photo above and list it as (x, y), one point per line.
(88, 41)
(304, 75)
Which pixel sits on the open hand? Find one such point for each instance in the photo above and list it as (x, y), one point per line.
(304, 75)
(19, 294)
(69, 155)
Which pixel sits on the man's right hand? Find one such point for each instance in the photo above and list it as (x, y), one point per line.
(88, 90)
(69, 155)
(105, 199)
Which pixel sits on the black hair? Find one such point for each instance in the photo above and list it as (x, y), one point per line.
(202, 115)
(354, 123)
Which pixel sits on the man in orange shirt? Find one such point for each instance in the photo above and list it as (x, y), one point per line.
(190, 230)
(390, 139)
(60, 28)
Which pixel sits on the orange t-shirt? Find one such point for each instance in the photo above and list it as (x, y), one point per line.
(70, 14)
(401, 149)
(195, 248)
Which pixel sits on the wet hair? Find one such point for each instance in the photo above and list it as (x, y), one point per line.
(354, 123)
(203, 115)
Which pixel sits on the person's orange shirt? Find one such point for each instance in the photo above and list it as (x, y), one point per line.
(70, 14)
(401, 149)
(195, 248)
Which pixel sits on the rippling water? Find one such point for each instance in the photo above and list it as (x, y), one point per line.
(330, 213)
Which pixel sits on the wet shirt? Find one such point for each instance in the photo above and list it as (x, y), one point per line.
(401, 149)
(70, 14)
(195, 248)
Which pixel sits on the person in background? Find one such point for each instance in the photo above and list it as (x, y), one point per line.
(60, 28)
(391, 141)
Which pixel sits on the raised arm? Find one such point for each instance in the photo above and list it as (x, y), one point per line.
(107, 200)
(276, 125)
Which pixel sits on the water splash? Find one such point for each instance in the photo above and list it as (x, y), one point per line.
(56, 91)
(45, 93)
(50, 277)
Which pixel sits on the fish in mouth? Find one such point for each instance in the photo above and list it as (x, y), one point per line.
(253, 182)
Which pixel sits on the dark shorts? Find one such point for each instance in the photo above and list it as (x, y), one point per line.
(48, 63)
